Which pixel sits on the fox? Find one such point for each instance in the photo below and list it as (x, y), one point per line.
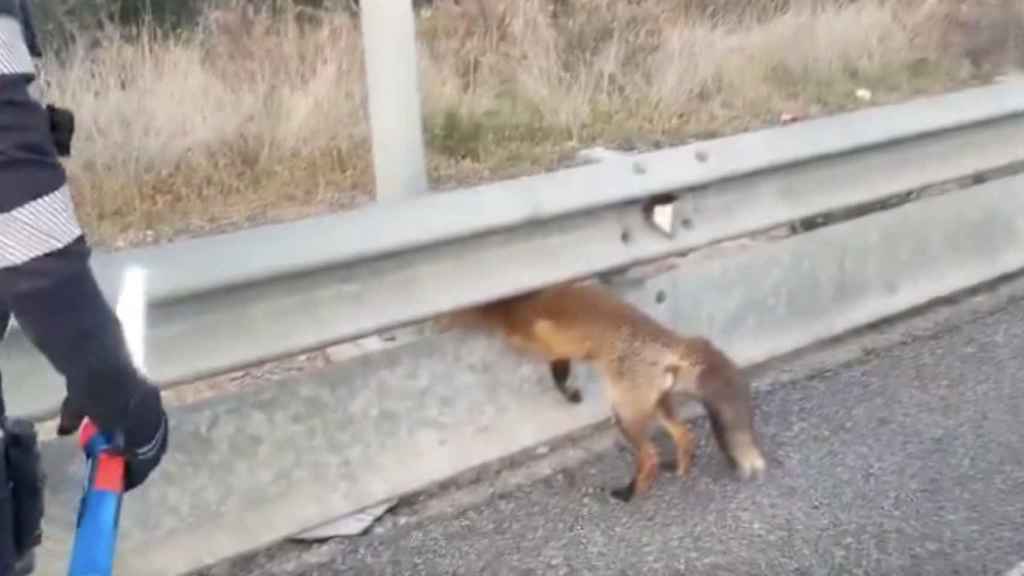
(640, 361)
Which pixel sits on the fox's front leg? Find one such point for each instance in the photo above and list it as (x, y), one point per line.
(560, 346)
(560, 371)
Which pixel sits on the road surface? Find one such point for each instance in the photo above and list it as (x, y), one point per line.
(906, 461)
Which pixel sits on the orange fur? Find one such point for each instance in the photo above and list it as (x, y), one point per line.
(641, 362)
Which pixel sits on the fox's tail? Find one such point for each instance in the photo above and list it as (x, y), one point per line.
(727, 398)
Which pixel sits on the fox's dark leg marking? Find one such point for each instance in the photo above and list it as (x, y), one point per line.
(625, 493)
(560, 370)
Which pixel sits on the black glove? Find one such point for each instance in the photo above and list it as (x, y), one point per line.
(62, 128)
(70, 418)
(143, 440)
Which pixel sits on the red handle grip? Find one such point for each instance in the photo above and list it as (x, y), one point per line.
(109, 468)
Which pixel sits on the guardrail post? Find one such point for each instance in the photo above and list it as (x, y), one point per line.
(393, 94)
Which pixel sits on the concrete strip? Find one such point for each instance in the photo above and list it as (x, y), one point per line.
(249, 469)
(500, 480)
(905, 462)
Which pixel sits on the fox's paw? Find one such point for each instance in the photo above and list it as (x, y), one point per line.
(624, 494)
(573, 394)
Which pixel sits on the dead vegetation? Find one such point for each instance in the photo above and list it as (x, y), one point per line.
(254, 118)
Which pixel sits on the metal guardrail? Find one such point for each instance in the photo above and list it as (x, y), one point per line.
(278, 459)
(227, 301)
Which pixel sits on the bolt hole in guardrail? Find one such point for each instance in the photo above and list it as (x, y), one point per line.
(660, 213)
(626, 236)
(660, 297)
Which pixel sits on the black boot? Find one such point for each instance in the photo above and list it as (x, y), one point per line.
(26, 564)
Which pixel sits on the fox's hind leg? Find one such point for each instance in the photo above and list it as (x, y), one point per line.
(560, 371)
(681, 435)
(634, 427)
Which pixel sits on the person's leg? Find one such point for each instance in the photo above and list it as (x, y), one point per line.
(10, 562)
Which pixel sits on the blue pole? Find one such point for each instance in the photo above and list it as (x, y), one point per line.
(92, 553)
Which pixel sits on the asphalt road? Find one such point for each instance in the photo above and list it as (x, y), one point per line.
(908, 461)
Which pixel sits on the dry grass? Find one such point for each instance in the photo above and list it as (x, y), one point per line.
(264, 119)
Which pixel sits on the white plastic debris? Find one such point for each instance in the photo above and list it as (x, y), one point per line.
(1017, 570)
(352, 525)
(663, 217)
(789, 118)
(600, 154)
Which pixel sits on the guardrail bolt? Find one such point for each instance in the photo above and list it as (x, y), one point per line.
(626, 237)
(639, 167)
(660, 296)
(701, 156)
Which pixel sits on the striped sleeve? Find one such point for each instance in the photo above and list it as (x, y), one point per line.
(38, 227)
(41, 217)
(14, 55)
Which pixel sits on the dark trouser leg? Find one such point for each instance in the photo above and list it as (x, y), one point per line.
(10, 564)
